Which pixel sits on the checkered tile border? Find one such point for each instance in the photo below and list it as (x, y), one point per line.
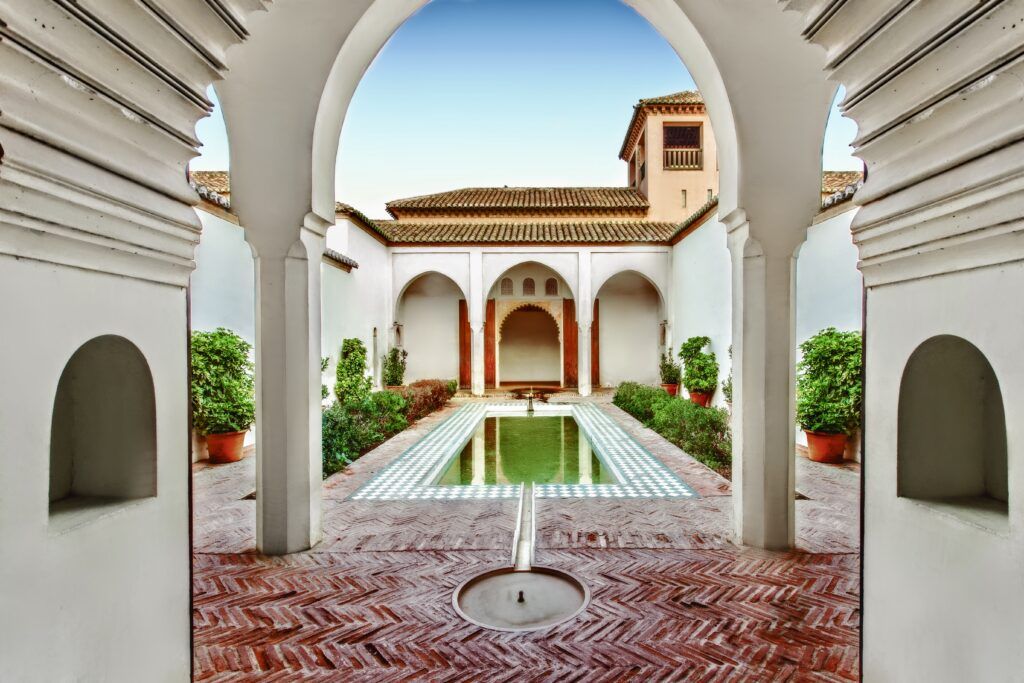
(640, 474)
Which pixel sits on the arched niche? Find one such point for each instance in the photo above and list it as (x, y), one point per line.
(428, 311)
(529, 346)
(951, 444)
(627, 330)
(103, 429)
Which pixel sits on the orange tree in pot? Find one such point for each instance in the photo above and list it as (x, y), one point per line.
(700, 370)
(829, 392)
(223, 392)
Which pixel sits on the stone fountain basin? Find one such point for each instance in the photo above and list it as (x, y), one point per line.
(491, 599)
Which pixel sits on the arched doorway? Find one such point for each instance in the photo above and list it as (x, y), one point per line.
(428, 311)
(529, 352)
(627, 331)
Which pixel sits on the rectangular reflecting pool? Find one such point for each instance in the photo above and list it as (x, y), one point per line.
(539, 449)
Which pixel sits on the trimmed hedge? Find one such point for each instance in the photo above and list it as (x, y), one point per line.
(425, 396)
(703, 433)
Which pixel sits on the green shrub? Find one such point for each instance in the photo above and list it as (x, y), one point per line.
(324, 391)
(452, 386)
(424, 397)
(393, 367)
(639, 400)
(352, 429)
(223, 391)
(828, 385)
(704, 433)
(670, 370)
(351, 383)
(700, 372)
(727, 382)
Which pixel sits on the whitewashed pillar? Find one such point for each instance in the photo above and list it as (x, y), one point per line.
(584, 316)
(763, 305)
(288, 424)
(477, 302)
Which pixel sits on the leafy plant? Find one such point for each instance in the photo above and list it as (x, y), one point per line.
(670, 370)
(452, 386)
(393, 367)
(727, 382)
(351, 429)
(351, 382)
(829, 386)
(700, 372)
(324, 391)
(223, 391)
(703, 433)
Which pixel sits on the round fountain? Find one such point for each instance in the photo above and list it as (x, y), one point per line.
(523, 597)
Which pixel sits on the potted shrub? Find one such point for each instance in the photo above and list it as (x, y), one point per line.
(223, 392)
(393, 368)
(829, 392)
(670, 374)
(700, 370)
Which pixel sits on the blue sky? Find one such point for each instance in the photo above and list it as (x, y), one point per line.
(503, 92)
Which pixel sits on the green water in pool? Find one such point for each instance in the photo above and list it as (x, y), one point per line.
(526, 449)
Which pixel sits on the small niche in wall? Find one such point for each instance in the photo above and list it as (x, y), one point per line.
(102, 432)
(951, 443)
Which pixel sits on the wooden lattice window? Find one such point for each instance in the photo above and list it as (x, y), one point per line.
(529, 288)
(551, 287)
(506, 286)
(682, 137)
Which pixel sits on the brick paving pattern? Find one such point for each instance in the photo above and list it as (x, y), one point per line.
(672, 597)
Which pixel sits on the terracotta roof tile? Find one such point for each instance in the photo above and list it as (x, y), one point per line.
(218, 181)
(682, 97)
(835, 181)
(408, 232)
(487, 199)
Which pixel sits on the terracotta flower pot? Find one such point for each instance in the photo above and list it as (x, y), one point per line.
(225, 447)
(822, 447)
(672, 389)
(701, 398)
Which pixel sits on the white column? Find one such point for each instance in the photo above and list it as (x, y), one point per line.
(288, 423)
(763, 279)
(477, 302)
(584, 316)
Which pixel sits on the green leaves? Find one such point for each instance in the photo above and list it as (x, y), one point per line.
(670, 370)
(393, 367)
(351, 382)
(701, 369)
(223, 390)
(828, 385)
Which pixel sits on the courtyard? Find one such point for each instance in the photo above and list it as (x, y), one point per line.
(673, 596)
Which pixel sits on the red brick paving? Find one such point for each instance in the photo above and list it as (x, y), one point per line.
(672, 597)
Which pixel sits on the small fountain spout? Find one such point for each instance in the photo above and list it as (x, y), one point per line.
(521, 597)
(529, 402)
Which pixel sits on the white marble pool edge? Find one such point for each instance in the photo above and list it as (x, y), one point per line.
(640, 474)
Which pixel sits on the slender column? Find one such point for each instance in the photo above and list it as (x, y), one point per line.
(584, 455)
(584, 313)
(763, 286)
(477, 301)
(288, 448)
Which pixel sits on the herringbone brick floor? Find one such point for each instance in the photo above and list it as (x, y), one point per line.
(672, 597)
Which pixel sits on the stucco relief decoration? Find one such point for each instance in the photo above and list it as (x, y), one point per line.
(505, 307)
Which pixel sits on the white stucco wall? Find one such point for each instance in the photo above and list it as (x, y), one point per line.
(629, 330)
(107, 599)
(943, 595)
(701, 293)
(223, 293)
(354, 303)
(828, 284)
(429, 314)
